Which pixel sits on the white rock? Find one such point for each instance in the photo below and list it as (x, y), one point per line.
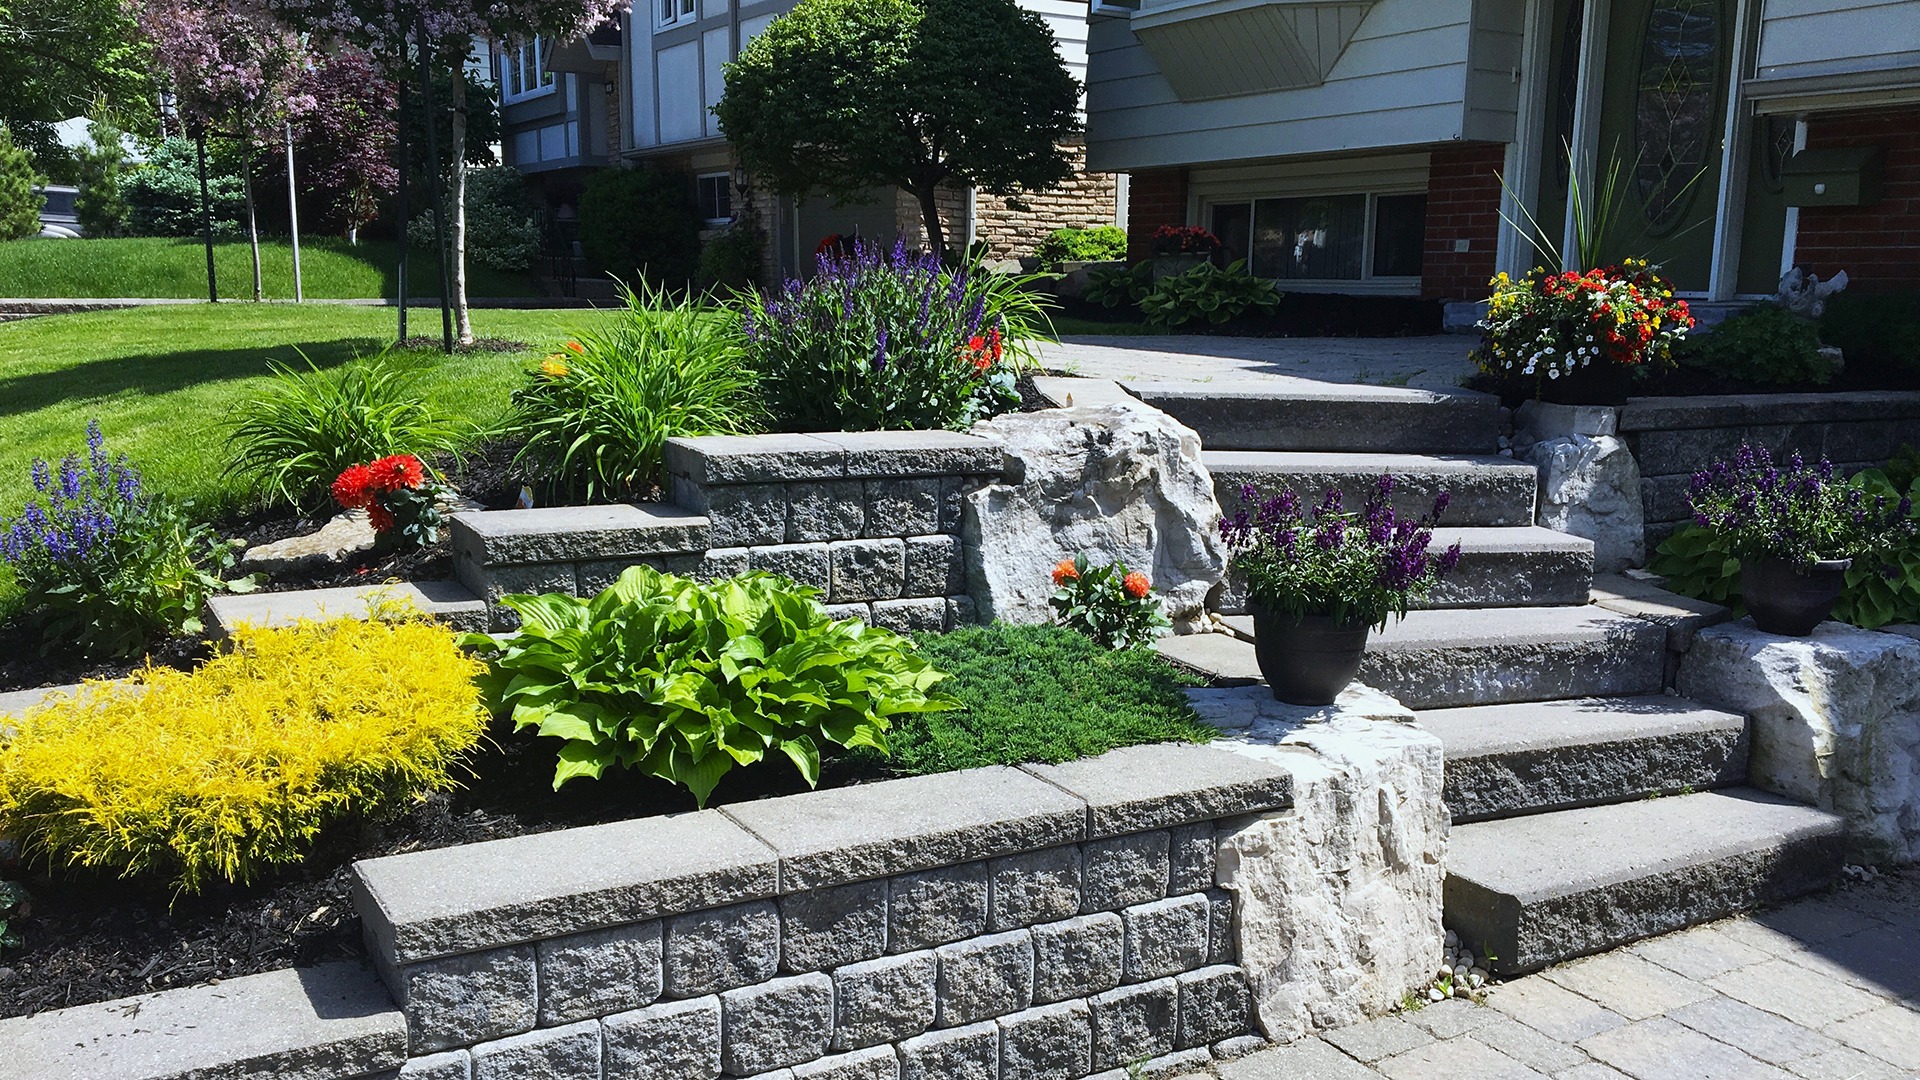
(1589, 481)
(1836, 723)
(1118, 481)
(1338, 900)
(346, 535)
(1435, 995)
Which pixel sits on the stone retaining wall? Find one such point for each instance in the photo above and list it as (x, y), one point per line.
(872, 519)
(1672, 438)
(1047, 921)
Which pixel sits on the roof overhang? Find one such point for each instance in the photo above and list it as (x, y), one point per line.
(1228, 48)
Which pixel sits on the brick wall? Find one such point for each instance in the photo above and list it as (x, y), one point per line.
(1155, 197)
(1463, 203)
(1879, 245)
(1013, 227)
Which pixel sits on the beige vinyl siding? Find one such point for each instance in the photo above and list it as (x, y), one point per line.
(1831, 37)
(1402, 81)
(1494, 55)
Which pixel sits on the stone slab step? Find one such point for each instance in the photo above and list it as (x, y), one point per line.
(1492, 656)
(1486, 490)
(1305, 415)
(447, 601)
(1519, 567)
(1526, 758)
(1544, 888)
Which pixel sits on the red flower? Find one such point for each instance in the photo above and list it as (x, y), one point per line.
(577, 347)
(1137, 585)
(1064, 571)
(397, 471)
(353, 488)
(379, 517)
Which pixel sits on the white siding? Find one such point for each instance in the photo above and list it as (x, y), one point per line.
(716, 45)
(640, 77)
(1068, 21)
(1494, 55)
(680, 119)
(1832, 37)
(1402, 81)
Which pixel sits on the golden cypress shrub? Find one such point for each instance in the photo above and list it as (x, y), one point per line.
(234, 768)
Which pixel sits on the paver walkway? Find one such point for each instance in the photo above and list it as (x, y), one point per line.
(1824, 989)
(1428, 363)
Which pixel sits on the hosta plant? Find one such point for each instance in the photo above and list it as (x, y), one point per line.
(1108, 603)
(685, 680)
(1208, 293)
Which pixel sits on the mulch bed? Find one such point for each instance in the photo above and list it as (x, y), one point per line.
(91, 938)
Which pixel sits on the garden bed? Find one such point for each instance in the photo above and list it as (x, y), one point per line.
(93, 938)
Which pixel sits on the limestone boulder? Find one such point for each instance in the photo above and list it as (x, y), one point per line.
(1337, 901)
(1589, 480)
(1117, 480)
(1835, 722)
(341, 538)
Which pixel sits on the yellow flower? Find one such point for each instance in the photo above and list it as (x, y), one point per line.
(553, 368)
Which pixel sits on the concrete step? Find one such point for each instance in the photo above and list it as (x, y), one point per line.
(447, 601)
(1520, 567)
(1486, 490)
(1527, 758)
(1305, 415)
(1492, 656)
(1544, 888)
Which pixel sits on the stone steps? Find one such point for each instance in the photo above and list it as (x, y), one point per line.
(1543, 888)
(1527, 758)
(1492, 656)
(1486, 490)
(1539, 567)
(1300, 415)
(446, 601)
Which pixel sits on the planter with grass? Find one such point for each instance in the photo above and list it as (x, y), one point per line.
(1319, 577)
(1796, 530)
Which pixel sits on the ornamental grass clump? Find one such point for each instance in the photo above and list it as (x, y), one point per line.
(106, 567)
(888, 340)
(231, 771)
(1801, 515)
(1355, 567)
(686, 680)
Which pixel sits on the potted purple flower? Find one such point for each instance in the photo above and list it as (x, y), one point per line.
(1796, 531)
(1320, 578)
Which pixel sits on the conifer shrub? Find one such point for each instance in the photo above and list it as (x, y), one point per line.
(233, 770)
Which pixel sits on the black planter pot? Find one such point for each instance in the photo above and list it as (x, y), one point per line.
(1785, 601)
(1306, 661)
(1599, 383)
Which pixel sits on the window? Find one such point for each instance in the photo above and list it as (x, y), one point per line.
(716, 196)
(523, 71)
(1325, 237)
(668, 13)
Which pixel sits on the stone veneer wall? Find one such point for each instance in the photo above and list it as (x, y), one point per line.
(1672, 438)
(872, 519)
(1055, 921)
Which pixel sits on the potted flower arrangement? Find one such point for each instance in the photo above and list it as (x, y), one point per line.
(1796, 531)
(1177, 249)
(1320, 578)
(1579, 337)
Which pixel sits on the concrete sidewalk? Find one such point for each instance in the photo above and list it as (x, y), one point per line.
(1427, 363)
(1824, 989)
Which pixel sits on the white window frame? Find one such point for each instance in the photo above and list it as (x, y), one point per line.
(1367, 282)
(726, 179)
(668, 14)
(514, 61)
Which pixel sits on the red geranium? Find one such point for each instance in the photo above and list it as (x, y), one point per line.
(398, 471)
(353, 488)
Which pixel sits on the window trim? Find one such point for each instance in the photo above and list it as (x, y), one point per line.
(686, 13)
(1367, 282)
(727, 186)
(513, 72)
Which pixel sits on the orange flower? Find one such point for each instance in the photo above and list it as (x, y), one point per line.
(1137, 585)
(577, 347)
(1064, 571)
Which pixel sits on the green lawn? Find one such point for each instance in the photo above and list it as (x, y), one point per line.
(171, 268)
(162, 380)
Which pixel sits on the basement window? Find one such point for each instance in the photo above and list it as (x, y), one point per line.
(1355, 237)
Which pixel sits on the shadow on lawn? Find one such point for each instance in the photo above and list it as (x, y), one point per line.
(162, 373)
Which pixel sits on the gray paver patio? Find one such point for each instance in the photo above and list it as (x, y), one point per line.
(1427, 363)
(1825, 989)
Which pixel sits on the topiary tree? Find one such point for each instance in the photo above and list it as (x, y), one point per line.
(19, 203)
(840, 96)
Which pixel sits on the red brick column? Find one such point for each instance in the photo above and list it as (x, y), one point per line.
(1878, 245)
(1463, 203)
(1155, 197)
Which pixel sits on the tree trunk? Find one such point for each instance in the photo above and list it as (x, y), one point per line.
(457, 204)
(930, 213)
(253, 228)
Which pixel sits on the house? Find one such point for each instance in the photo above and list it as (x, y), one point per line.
(1359, 145)
(641, 94)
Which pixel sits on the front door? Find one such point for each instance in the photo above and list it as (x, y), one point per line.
(1662, 118)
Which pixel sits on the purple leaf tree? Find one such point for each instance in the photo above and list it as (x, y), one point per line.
(343, 137)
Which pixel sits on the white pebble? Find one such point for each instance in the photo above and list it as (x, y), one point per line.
(1436, 995)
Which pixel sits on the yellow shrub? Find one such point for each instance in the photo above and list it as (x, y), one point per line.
(234, 768)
